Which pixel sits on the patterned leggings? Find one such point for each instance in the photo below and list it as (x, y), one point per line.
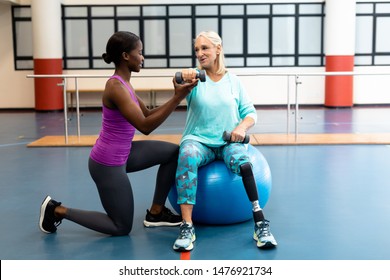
(193, 154)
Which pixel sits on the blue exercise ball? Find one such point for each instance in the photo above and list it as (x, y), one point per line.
(221, 197)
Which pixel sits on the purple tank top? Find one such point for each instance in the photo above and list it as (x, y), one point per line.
(113, 145)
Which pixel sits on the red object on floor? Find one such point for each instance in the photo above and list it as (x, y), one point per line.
(185, 255)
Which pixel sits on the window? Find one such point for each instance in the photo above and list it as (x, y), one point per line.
(254, 35)
(372, 40)
(22, 36)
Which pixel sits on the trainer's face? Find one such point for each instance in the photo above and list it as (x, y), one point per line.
(136, 59)
(206, 52)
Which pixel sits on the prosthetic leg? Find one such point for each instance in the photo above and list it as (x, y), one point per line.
(251, 190)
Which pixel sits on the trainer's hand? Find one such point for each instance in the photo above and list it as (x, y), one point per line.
(182, 90)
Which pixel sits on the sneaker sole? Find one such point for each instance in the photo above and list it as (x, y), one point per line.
(182, 249)
(160, 224)
(266, 245)
(42, 213)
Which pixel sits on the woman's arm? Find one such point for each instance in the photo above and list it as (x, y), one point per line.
(143, 119)
(238, 134)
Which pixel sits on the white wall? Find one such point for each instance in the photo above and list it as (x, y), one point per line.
(17, 91)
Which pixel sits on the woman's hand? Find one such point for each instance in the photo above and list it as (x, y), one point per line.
(189, 75)
(238, 134)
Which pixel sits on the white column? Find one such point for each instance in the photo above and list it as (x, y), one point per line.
(340, 18)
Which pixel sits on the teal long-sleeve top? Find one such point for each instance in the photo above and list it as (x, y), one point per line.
(215, 107)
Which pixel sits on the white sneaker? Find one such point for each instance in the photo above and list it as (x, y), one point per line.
(186, 238)
(263, 235)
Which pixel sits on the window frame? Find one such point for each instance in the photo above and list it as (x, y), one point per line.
(245, 16)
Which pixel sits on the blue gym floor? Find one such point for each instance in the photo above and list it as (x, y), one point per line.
(328, 202)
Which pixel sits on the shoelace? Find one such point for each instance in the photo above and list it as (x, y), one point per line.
(264, 228)
(185, 232)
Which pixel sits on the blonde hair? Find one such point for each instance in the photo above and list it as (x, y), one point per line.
(216, 40)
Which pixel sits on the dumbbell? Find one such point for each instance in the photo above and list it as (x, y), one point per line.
(201, 75)
(227, 135)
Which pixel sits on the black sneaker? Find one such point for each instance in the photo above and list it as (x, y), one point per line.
(48, 222)
(165, 218)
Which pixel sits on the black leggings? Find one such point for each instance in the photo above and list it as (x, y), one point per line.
(115, 189)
